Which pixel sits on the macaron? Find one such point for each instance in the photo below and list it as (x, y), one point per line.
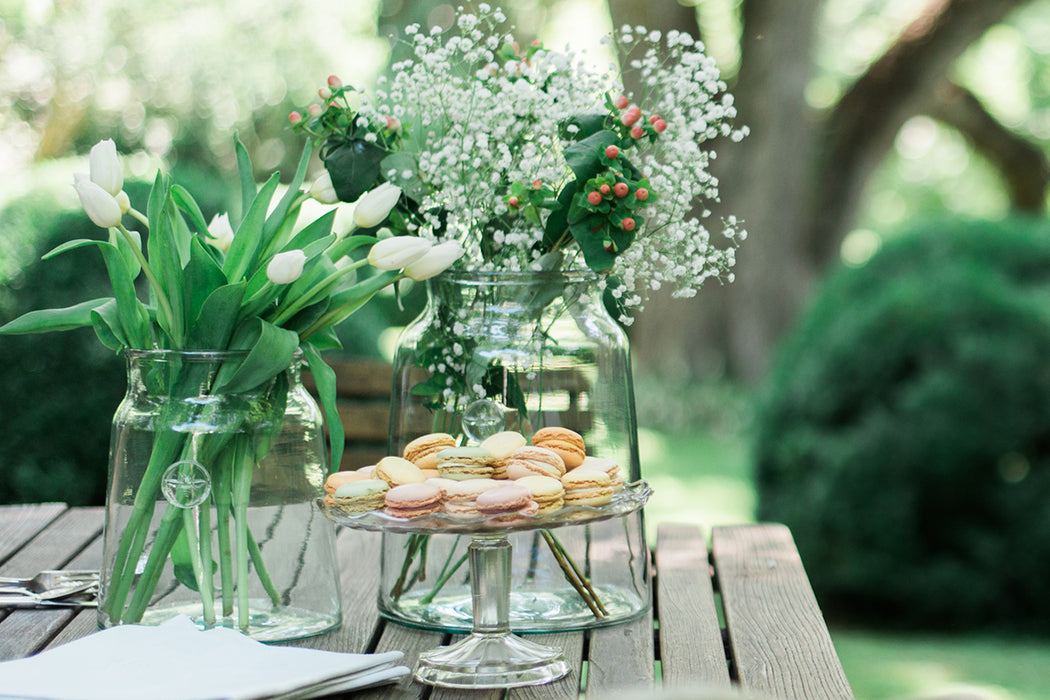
(529, 460)
(502, 444)
(587, 487)
(423, 449)
(337, 479)
(504, 499)
(567, 443)
(413, 500)
(609, 466)
(360, 496)
(460, 463)
(547, 491)
(396, 471)
(460, 497)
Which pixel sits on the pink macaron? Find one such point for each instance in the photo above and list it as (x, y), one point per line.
(413, 500)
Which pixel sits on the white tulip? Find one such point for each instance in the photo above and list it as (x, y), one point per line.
(434, 261)
(322, 189)
(374, 206)
(397, 252)
(286, 267)
(123, 201)
(221, 232)
(106, 169)
(101, 207)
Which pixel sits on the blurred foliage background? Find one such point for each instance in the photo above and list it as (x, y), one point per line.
(876, 377)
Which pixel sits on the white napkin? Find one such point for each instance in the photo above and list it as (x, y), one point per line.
(176, 661)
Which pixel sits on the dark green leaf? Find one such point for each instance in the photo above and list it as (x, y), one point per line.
(133, 316)
(584, 157)
(354, 167)
(278, 226)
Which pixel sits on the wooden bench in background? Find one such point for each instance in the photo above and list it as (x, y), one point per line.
(363, 387)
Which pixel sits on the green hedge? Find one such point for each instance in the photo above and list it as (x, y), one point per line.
(905, 433)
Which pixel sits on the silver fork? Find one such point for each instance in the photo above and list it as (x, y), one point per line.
(48, 585)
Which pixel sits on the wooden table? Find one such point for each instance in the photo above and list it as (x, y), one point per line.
(741, 614)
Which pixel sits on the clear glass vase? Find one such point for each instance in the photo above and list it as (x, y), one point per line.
(211, 508)
(519, 351)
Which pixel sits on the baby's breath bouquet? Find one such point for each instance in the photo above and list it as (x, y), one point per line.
(257, 292)
(532, 159)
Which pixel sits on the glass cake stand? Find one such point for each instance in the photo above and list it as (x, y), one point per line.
(492, 656)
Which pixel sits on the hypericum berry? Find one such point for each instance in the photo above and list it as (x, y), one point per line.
(620, 189)
(641, 194)
(594, 198)
(294, 117)
(627, 224)
(393, 123)
(637, 132)
(609, 247)
(631, 116)
(513, 201)
(621, 102)
(537, 183)
(605, 189)
(659, 125)
(334, 82)
(324, 93)
(315, 110)
(611, 152)
(655, 118)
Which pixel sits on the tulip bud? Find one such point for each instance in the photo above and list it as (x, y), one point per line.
(101, 207)
(123, 201)
(373, 207)
(286, 267)
(436, 260)
(221, 232)
(397, 252)
(322, 189)
(106, 170)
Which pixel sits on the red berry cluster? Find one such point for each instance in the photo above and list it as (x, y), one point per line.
(631, 118)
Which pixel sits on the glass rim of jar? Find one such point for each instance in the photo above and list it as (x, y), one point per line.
(572, 274)
(194, 355)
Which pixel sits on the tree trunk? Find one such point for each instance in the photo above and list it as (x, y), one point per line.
(798, 179)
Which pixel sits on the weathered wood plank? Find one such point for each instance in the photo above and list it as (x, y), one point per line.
(691, 648)
(358, 556)
(621, 658)
(358, 377)
(779, 641)
(24, 632)
(20, 523)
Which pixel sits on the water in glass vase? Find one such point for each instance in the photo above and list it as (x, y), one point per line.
(212, 504)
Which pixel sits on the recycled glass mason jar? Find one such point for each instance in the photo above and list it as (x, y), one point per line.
(211, 508)
(519, 351)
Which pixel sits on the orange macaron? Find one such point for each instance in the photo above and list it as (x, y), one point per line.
(567, 443)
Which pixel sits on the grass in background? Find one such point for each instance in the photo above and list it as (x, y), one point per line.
(695, 453)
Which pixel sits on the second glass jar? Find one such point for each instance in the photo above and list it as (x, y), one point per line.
(519, 351)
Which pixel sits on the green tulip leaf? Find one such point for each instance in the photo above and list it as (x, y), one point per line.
(247, 238)
(278, 223)
(246, 175)
(185, 201)
(270, 351)
(48, 320)
(106, 322)
(201, 277)
(324, 379)
(217, 318)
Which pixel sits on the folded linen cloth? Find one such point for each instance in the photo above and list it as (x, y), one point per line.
(177, 661)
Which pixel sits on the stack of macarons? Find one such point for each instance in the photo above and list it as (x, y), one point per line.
(503, 475)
